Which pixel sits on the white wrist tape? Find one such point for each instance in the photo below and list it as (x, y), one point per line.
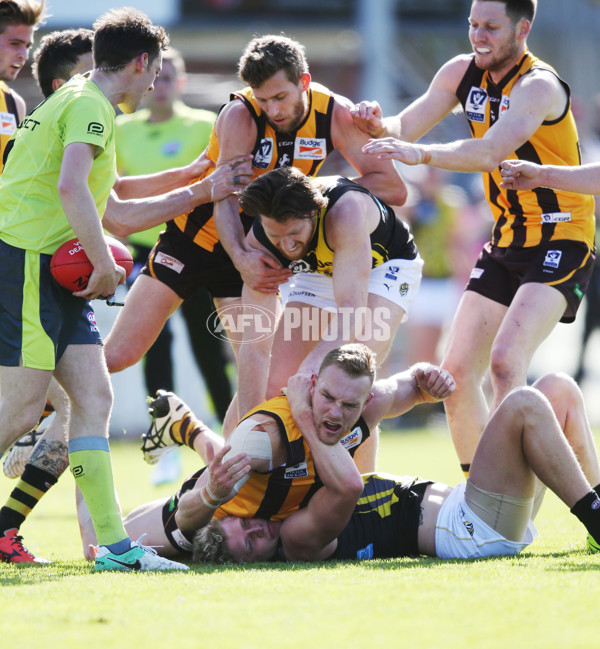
(419, 151)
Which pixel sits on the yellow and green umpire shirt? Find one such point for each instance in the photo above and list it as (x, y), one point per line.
(528, 218)
(31, 214)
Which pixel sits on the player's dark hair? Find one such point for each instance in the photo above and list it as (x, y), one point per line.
(21, 12)
(58, 54)
(266, 55)
(517, 9)
(122, 34)
(354, 359)
(283, 194)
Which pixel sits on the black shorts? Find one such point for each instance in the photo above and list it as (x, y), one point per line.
(565, 265)
(184, 266)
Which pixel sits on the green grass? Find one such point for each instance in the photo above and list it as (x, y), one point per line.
(543, 598)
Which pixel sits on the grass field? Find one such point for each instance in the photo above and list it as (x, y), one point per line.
(542, 598)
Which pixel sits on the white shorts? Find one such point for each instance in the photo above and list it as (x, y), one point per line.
(397, 280)
(460, 534)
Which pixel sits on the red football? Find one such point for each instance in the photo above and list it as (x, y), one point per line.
(71, 268)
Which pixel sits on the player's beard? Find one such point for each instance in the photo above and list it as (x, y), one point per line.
(298, 115)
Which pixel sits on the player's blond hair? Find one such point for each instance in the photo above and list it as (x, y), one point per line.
(21, 12)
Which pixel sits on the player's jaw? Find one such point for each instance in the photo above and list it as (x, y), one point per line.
(290, 120)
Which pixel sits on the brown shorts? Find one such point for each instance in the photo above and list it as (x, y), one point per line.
(184, 266)
(565, 265)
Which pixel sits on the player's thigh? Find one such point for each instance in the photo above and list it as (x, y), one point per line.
(378, 325)
(534, 312)
(472, 333)
(148, 305)
(299, 329)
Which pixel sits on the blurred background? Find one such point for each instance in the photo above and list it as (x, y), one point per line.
(387, 50)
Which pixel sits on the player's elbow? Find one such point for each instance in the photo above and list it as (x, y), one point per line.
(116, 227)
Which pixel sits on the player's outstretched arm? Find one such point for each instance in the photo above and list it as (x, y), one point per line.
(583, 179)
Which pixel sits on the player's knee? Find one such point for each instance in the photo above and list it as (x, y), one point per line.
(524, 403)
(505, 366)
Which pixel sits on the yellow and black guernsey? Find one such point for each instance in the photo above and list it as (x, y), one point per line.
(391, 239)
(528, 218)
(385, 521)
(306, 149)
(278, 493)
(9, 119)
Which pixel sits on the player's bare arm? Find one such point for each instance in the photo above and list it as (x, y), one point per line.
(124, 217)
(213, 488)
(254, 355)
(80, 210)
(380, 177)
(236, 132)
(422, 114)
(310, 533)
(518, 174)
(396, 395)
(536, 97)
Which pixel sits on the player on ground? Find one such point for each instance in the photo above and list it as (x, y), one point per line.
(386, 516)
(535, 270)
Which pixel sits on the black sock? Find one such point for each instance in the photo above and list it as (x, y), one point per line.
(465, 469)
(587, 510)
(34, 483)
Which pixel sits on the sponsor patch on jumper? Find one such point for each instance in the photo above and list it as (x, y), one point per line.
(476, 273)
(504, 104)
(169, 262)
(403, 289)
(299, 266)
(476, 104)
(553, 258)
(310, 148)
(8, 123)
(297, 471)
(352, 439)
(556, 217)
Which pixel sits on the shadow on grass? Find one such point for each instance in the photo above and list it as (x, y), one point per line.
(563, 561)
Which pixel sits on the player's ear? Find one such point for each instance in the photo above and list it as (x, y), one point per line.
(141, 62)
(57, 83)
(305, 81)
(523, 28)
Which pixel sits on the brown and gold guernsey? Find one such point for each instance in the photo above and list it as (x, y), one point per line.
(9, 119)
(306, 149)
(280, 492)
(528, 218)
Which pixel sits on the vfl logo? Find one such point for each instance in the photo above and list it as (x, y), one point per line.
(553, 258)
(77, 471)
(476, 104)
(264, 155)
(95, 128)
